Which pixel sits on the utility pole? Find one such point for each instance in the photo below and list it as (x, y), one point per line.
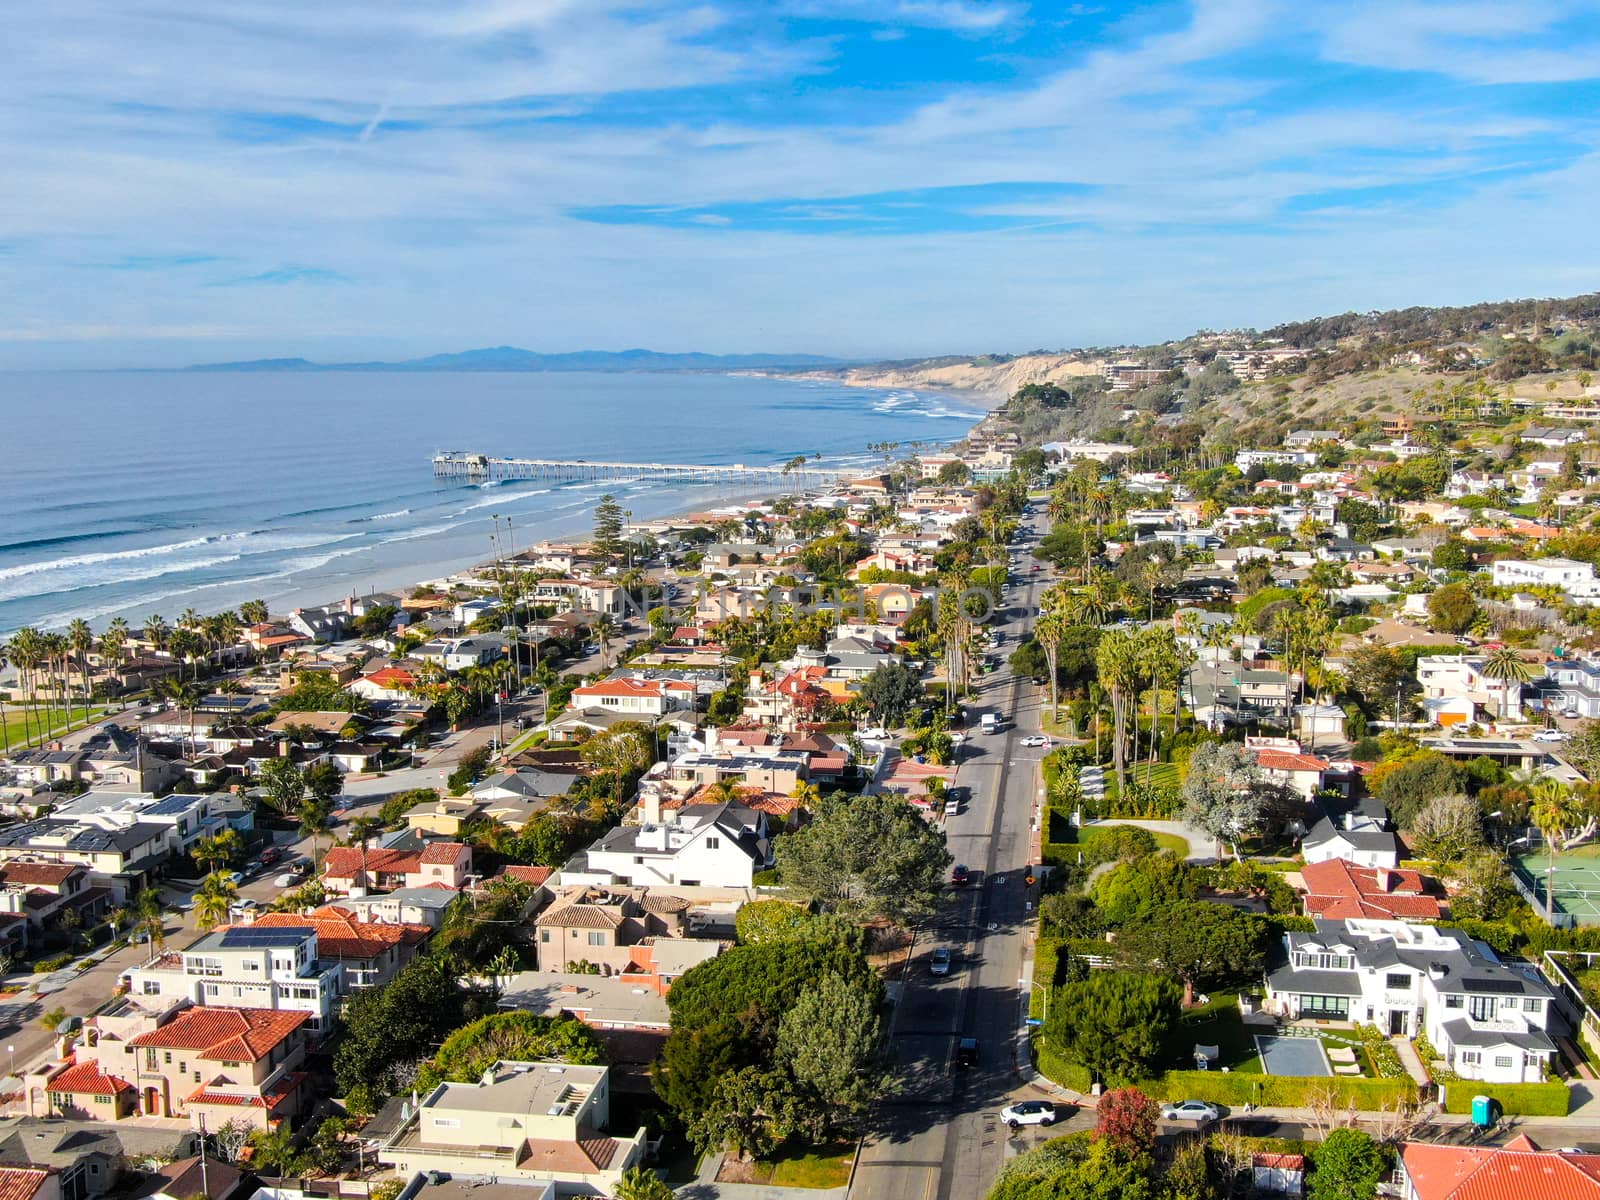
(205, 1186)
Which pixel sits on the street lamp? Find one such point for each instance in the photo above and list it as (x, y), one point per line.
(12, 1050)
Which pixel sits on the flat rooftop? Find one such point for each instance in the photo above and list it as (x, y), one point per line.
(541, 1087)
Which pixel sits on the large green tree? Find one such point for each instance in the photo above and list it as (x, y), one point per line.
(1452, 609)
(1145, 887)
(1202, 944)
(1346, 1166)
(608, 528)
(829, 1044)
(1076, 1167)
(399, 1023)
(510, 1037)
(865, 857)
(1115, 1023)
(890, 692)
(1225, 792)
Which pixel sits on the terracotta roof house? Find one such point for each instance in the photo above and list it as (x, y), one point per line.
(603, 927)
(207, 1064)
(350, 870)
(29, 1183)
(1337, 890)
(371, 953)
(1518, 1170)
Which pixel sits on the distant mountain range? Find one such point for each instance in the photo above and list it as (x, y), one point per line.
(512, 358)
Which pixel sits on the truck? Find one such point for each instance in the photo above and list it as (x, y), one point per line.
(990, 722)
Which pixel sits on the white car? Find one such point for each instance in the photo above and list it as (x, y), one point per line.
(876, 733)
(1549, 735)
(1030, 1112)
(1197, 1111)
(1036, 739)
(939, 964)
(287, 880)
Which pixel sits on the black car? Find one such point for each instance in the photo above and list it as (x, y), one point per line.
(967, 1053)
(960, 875)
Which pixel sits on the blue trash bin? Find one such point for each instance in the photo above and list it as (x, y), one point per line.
(1482, 1111)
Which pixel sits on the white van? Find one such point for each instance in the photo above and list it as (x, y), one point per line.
(990, 722)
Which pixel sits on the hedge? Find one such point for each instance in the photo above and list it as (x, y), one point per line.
(1279, 1091)
(1548, 1099)
(1238, 1088)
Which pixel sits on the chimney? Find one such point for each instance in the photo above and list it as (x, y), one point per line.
(650, 806)
(1386, 880)
(283, 748)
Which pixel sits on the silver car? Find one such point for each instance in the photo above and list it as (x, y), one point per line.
(1197, 1111)
(939, 964)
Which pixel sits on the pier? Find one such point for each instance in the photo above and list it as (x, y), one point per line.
(462, 464)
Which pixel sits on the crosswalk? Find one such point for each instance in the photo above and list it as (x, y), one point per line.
(1091, 783)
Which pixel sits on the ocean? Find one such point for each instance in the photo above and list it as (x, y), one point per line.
(131, 493)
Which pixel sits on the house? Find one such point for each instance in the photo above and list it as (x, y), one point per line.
(1551, 437)
(196, 1178)
(84, 1159)
(352, 870)
(1337, 891)
(324, 623)
(1576, 579)
(368, 953)
(636, 695)
(527, 1122)
(1274, 1174)
(699, 845)
(37, 896)
(389, 684)
(627, 1012)
(457, 654)
(1485, 1019)
(1516, 1171)
(1358, 834)
(613, 930)
(249, 966)
(424, 906)
(208, 1064)
(1302, 774)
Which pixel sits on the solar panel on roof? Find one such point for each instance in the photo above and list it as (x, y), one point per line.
(275, 937)
(1493, 985)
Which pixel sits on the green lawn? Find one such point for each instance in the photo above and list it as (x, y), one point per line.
(828, 1167)
(1217, 1024)
(1164, 841)
(15, 723)
(1158, 774)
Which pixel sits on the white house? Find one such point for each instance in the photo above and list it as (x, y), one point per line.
(245, 967)
(1575, 578)
(457, 654)
(1359, 835)
(1486, 1020)
(631, 694)
(698, 845)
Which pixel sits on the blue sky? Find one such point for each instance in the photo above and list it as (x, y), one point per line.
(863, 178)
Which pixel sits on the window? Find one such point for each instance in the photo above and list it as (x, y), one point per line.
(544, 936)
(445, 1123)
(597, 938)
(1322, 961)
(1325, 1006)
(1481, 1008)
(1532, 1004)
(1397, 981)
(152, 987)
(1452, 1001)
(1504, 1060)
(166, 1058)
(713, 843)
(1467, 1056)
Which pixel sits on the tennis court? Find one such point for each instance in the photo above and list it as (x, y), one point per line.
(1292, 1055)
(1575, 883)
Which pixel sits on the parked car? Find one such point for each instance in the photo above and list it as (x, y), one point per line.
(877, 733)
(1036, 739)
(952, 807)
(1030, 1112)
(270, 855)
(243, 904)
(939, 964)
(1549, 735)
(235, 877)
(1190, 1110)
(959, 875)
(286, 880)
(967, 1053)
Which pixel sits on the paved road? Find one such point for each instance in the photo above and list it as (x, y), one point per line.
(940, 1138)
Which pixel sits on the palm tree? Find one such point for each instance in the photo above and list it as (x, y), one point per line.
(362, 831)
(217, 851)
(1050, 630)
(253, 612)
(315, 816)
(1552, 812)
(1117, 663)
(150, 914)
(156, 631)
(213, 900)
(605, 627)
(26, 654)
(80, 640)
(1507, 666)
(5, 729)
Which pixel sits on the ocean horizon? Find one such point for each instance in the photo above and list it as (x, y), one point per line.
(211, 489)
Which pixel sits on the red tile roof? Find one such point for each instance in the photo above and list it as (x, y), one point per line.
(20, 1183)
(25, 874)
(1282, 760)
(340, 935)
(633, 687)
(1516, 1171)
(1338, 891)
(442, 853)
(534, 875)
(86, 1079)
(344, 862)
(271, 1098)
(226, 1034)
(592, 1152)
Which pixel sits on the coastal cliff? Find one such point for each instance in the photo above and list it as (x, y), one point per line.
(985, 380)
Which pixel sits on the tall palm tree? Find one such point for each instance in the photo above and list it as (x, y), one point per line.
(1117, 663)
(213, 900)
(362, 831)
(605, 627)
(80, 640)
(150, 914)
(26, 654)
(1552, 812)
(1507, 666)
(1050, 630)
(5, 728)
(253, 612)
(315, 814)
